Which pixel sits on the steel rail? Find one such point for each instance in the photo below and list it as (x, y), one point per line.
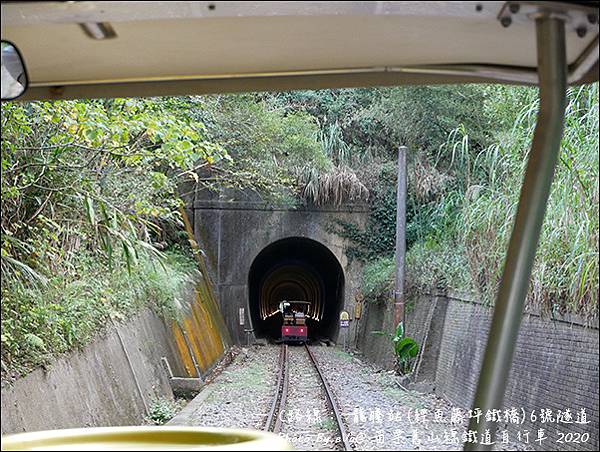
(520, 256)
(331, 401)
(273, 423)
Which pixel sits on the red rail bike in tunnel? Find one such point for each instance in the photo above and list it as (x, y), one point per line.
(294, 329)
(302, 272)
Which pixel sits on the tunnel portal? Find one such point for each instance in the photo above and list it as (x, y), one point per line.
(295, 269)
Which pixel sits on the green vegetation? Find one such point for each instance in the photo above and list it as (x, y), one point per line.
(43, 320)
(253, 376)
(91, 218)
(326, 423)
(278, 154)
(406, 349)
(377, 275)
(162, 410)
(345, 356)
(92, 194)
(565, 277)
(268, 149)
(468, 152)
(91, 203)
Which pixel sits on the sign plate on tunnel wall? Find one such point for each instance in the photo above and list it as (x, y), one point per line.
(242, 317)
(344, 319)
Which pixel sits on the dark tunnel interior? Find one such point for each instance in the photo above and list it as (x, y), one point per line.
(296, 269)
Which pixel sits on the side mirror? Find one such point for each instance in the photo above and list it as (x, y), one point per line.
(13, 74)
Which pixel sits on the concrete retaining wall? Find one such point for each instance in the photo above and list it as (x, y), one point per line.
(113, 380)
(555, 365)
(424, 320)
(376, 348)
(96, 386)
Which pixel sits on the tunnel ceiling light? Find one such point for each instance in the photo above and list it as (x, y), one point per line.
(295, 269)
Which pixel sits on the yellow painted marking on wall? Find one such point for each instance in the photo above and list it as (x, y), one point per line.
(215, 347)
(201, 322)
(183, 350)
(190, 328)
(200, 339)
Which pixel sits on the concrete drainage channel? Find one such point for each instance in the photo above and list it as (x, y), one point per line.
(185, 389)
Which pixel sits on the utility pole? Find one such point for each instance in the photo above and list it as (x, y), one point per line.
(400, 238)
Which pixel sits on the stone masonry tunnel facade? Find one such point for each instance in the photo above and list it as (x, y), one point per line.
(258, 255)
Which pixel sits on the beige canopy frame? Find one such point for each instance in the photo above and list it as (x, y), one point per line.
(109, 49)
(119, 49)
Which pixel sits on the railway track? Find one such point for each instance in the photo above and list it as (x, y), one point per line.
(273, 423)
(305, 390)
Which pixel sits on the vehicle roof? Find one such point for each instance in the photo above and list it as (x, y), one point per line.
(170, 48)
(297, 302)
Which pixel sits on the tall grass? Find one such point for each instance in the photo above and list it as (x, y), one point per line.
(378, 276)
(333, 144)
(40, 322)
(333, 186)
(565, 276)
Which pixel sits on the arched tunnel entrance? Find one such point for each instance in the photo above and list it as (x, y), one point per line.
(297, 269)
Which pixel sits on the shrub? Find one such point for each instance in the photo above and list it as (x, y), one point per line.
(162, 410)
(378, 278)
